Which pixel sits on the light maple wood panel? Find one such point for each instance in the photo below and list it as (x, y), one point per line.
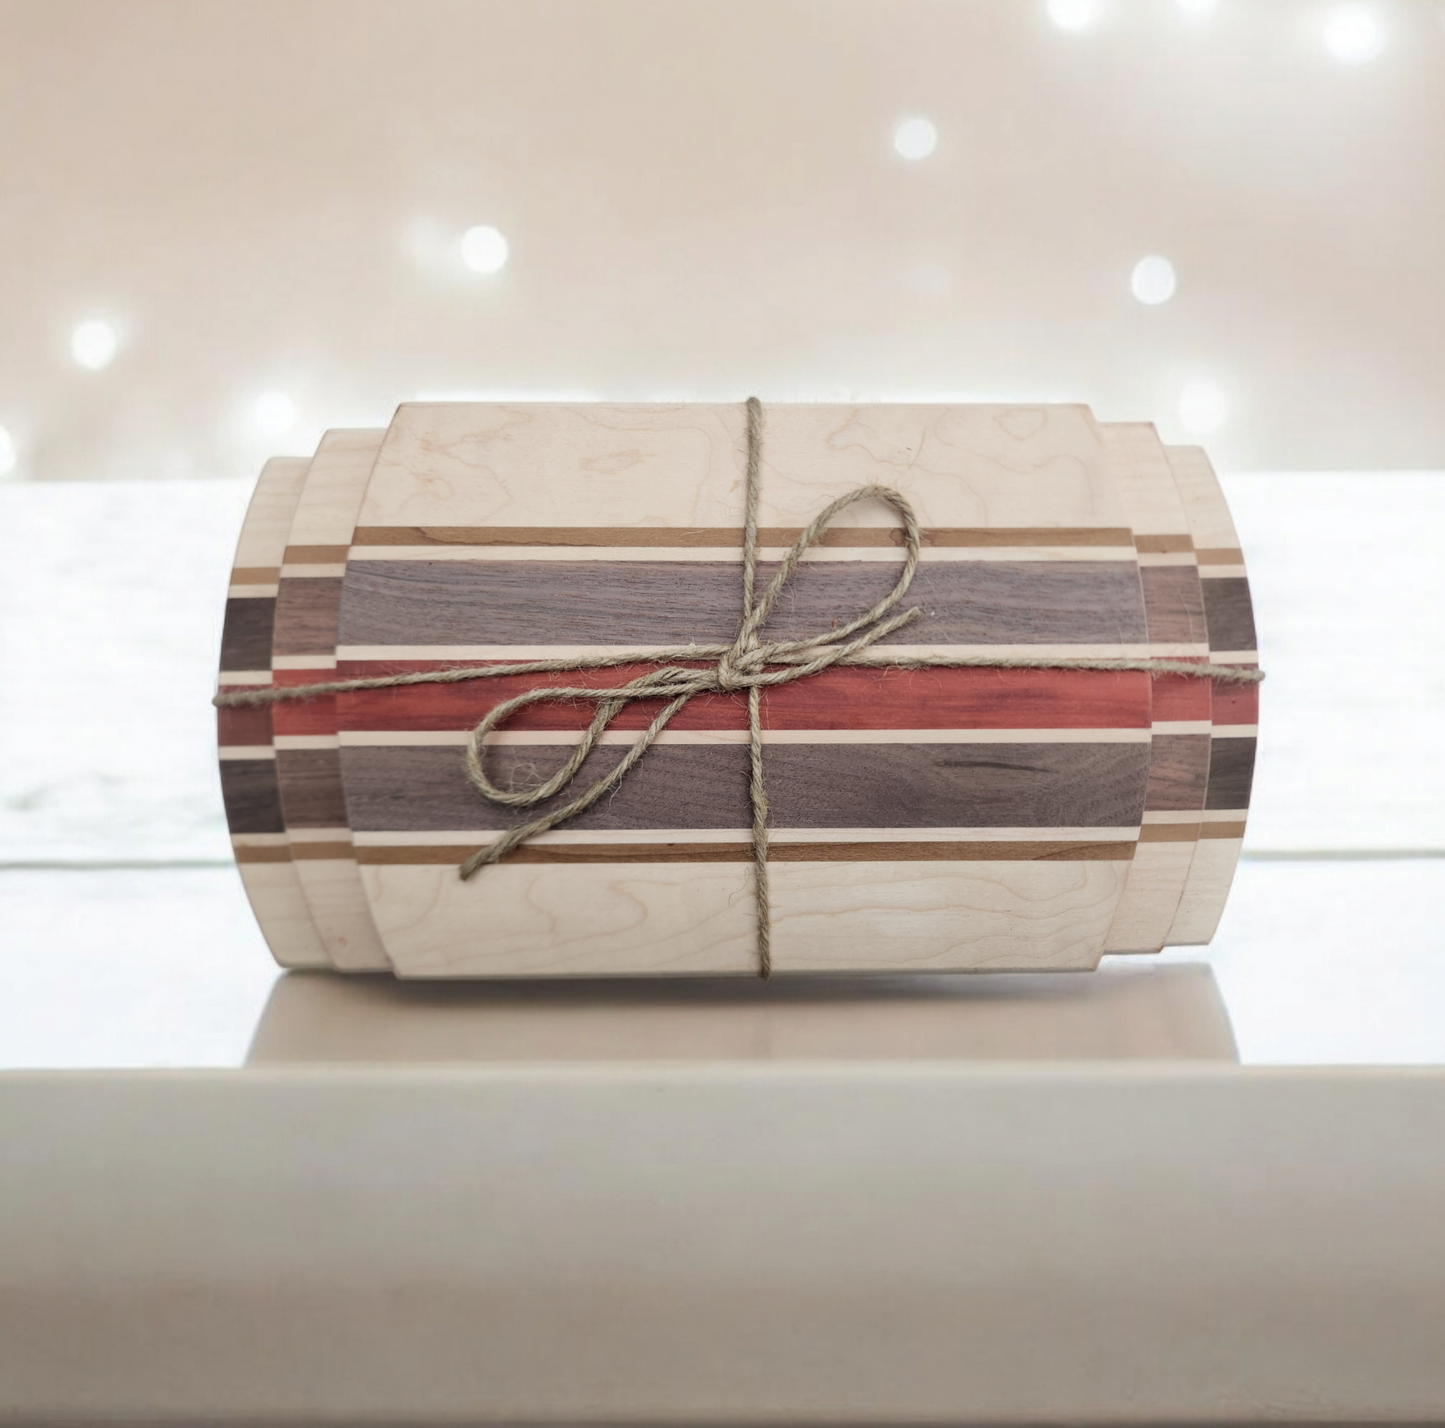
(245, 738)
(426, 582)
(1174, 613)
(1234, 711)
(304, 651)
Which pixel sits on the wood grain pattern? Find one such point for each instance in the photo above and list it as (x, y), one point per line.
(632, 603)
(249, 786)
(842, 698)
(246, 632)
(1231, 635)
(922, 819)
(669, 479)
(452, 465)
(309, 779)
(883, 786)
(730, 537)
(251, 796)
(911, 850)
(671, 919)
(1174, 613)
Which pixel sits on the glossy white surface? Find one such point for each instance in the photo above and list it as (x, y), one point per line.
(110, 598)
(1315, 964)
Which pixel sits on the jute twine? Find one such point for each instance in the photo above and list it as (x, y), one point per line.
(749, 662)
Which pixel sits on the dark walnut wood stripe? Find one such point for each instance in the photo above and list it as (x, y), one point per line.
(1231, 773)
(307, 611)
(247, 631)
(845, 698)
(310, 784)
(251, 796)
(1230, 613)
(1163, 544)
(425, 789)
(416, 602)
(1178, 773)
(962, 851)
(731, 537)
(1173, 605)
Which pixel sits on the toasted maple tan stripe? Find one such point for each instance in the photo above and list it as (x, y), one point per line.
(475, 837)
(1164, 544)
(1222, 830)
(315, 555)
(727, 537)
(1219, 555)
(903, 852)
(1168, 832)
(257, 574)
(322, 850)
(249, 854)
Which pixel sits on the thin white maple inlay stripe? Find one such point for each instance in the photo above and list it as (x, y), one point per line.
(562, 836)
(456, 737)
(1235, 731)
(732, 555)
(251, 592)
(447, 653)
(228, 752)
(307, 661)
(311, 572)
(305, 741)
(319, 835)
(1172, 557)
(243, 676)
(1183, 726)
(260, 840)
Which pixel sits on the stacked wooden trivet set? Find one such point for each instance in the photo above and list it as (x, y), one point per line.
(974, 786)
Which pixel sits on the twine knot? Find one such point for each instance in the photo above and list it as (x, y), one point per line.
(748, 663)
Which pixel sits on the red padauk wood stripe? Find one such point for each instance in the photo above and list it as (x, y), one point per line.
(248, 725)
(1236, 703)
(1176, 697)
(836, 699)
(305, 716)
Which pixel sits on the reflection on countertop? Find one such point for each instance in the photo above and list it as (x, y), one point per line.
(1122, 1012)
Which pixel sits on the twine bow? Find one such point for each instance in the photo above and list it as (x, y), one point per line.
(744, 664)
(749, 662)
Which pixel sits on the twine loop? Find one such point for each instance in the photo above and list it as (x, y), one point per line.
(749, 663)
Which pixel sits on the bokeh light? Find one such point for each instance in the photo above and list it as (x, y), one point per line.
(1153, 280)
(93, 344)
(484, 250)
(915, 138)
